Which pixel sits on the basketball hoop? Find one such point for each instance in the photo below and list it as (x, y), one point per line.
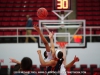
(61, 44)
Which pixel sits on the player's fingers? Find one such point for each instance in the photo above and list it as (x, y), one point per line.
(75, 56)
(10, 61)
(77, 59)
(44, 26)
(34, 28)
(36, 25)
(52, 32)
(10, 58)
(37, 50)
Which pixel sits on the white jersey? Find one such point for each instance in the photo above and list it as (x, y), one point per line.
(49, 54)
(62, 69)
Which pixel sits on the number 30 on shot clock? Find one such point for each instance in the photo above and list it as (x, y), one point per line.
(61, 4)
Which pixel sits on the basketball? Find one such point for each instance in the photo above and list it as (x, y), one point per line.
(42, 13)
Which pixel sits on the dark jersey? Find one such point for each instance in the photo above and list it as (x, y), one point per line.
(55, 70)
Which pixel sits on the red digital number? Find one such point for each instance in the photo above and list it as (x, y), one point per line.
(62, 4)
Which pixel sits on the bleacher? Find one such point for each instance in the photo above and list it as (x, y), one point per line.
(13, 14)
(89, 10)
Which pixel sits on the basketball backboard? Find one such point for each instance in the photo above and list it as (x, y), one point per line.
(64, 31)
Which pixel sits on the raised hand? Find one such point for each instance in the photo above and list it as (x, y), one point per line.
(12, 60)
(36, 28)
(76, 59)
(44, 26)
(39, 51)
(51, 35)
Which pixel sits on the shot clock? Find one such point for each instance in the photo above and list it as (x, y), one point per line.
(61, 5)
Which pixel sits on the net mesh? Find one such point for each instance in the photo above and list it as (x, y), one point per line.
(62, 44)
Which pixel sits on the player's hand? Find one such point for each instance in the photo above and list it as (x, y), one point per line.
(76, 59)
(36, 28)
(51, 35)
(12, 60)
(44, 26)
(39, 51)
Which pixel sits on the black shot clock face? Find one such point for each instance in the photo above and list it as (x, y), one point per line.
(61, 5)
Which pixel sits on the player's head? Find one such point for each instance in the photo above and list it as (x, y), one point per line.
(27, 16)
(26, 64)
(45, 54)
(58, 54)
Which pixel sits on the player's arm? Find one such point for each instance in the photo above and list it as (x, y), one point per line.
(52, 43)
(12, 60)
(49, 63)
(76, 59)
(43, 38)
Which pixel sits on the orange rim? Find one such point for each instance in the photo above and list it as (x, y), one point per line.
(61, 44)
